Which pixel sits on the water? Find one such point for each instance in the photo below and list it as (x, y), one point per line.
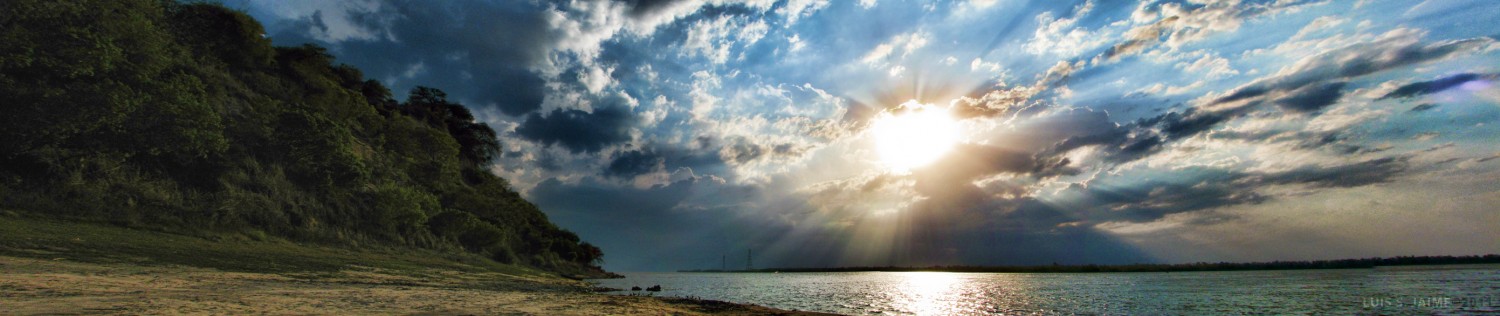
(1458, 289)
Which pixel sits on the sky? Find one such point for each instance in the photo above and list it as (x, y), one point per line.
(678, 134)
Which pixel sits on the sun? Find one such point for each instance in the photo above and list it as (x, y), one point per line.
(913, 135)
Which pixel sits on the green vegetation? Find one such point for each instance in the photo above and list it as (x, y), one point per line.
(183, 118)
(103, 243)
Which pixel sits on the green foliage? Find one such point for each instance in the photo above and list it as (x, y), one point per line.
(319, 151)
(221, 35)
(400, 209)
(90, 77)
(183, 117)
(477, 142)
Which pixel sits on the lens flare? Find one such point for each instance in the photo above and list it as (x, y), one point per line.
(914, 135)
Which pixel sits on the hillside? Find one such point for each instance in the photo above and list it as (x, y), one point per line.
(184, 119)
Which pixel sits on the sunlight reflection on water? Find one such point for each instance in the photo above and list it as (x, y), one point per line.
(1465, 289)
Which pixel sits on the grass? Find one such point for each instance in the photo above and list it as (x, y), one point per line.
(103, 243)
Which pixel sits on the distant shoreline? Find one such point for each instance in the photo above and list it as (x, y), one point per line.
(1361, 263)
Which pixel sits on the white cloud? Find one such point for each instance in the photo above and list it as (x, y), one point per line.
(1176, 25)
(904, 43)
(702, 95)
(1320, 24)
(596, 78)
(797, 9)
(1165, 90)
(714, 38)
(794, 43)
(1060, 36)
(1211, 66)
(978, 64)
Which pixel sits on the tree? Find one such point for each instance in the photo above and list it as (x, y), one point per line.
(318, 151)
(477, 142)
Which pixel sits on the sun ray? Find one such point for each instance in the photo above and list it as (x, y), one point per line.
(913, 135)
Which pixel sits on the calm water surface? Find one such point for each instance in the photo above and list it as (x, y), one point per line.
(1460, 289)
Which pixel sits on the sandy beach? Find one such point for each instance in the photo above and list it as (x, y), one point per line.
(40, 286)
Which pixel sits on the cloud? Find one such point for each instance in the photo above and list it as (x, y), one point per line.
(1176, 24)
(635, 162)
(1320, 24)
(885, 53)
(794, 10)
(1061, 36)
(1362, 173)
(1317, 81)
(1436, 85)
(998, 102)
(1136, 41)
(742, 150)
(1423, 107)
(1213, 66)
(579, 131)
(1306, 87)
(1204, 189)
(713, 38)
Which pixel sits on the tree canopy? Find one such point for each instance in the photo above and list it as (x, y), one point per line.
(184, 117)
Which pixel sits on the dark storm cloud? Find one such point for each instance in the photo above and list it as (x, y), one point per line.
(643, 8)
(579, 131)
(669, 227)
(968, 162)
(479, 52)
(1022, 231)
(1423, 107)
(1121, 144)
(606, 199)
(656, 157)
(635, 162)
(738, 150)
(641, 228)
(1037, 152)
(1364, 173)
(1315, 83)
(1198, 188)
(1318, 81)
(742, 151)
(1436, 85)
(1311, 98)
(1336, 141)
(1188, 190)
(959, 224)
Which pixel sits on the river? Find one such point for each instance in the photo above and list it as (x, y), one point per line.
(1422, 290)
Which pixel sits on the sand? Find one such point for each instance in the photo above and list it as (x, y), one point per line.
(39, 286)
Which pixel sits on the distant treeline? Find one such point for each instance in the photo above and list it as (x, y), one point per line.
(183, 117)
(1180, 267)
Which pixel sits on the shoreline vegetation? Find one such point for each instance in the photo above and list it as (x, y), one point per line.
(1357, 263)
(49, 266)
